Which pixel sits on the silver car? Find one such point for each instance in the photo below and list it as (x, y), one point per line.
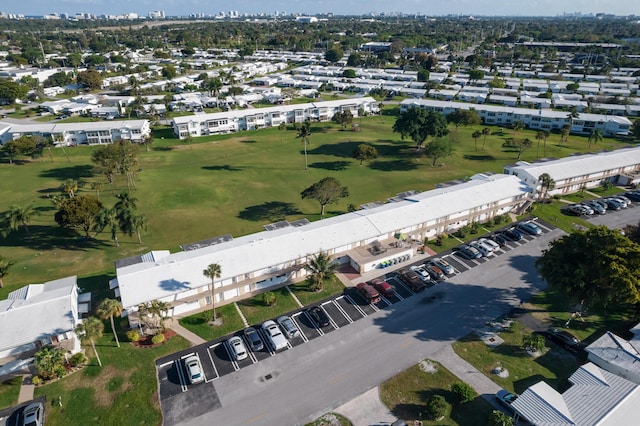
(275, 337)
(237, 348)
(194, 369)
(288, 327)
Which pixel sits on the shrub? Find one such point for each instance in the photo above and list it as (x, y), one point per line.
(500, 219)
(157, 339)
(498, 418)
(60, 371)
(533, 342)
(463, 231)
(269, 298)
(133, 336)
(474, 227)
(77, 359)
(207, 315)
(36, 380)
(463, 391)
(437, 406)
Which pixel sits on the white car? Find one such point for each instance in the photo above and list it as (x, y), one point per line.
(484, 250)
(275, 337)
(489, 243)
(422, 272)
(194, 369)
(237, 348)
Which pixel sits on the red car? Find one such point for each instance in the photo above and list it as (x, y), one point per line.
(383, 287)
(368, 293)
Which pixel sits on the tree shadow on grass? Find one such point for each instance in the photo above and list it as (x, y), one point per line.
(98, 286)
(162, 148)
(248, 141)
(393, 165)
(331, 165)
(480, 157)
(226, 167)
(49, 238)
(270, 210)
(71, 172)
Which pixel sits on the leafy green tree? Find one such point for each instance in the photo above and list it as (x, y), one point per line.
(269, 298)
(91, 329)
(463, 117)
(498, 418)
(354, 60)
(475, 75)
(349, 73)
(304, 133)
(418, 124)
(213, 272)
(533, 342)
(464, 392)
(595, 136)
(24, 145)
(498, 83)
(437, 407)
(573, 87)
(15, 217)
(70, 186)
(364, 152)
(594, 267)
(91, 79)
(46, 360)
(334, 54)
(423, 75)
(169, 72)
(5, 265)
(320, 268)
(327, 191)
(11, 90)
(439, 148)
(107, 310)
(343, 118)
(79, 213)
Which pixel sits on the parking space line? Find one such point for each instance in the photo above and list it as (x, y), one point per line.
(234, 363)
(315, 326)
(249, 352)
(403, 285)
(185, 356)
(335, 326)
(293, 318)
(358, 308)
(267, 341)
(213, 363)
(338, 307)
(183, 380)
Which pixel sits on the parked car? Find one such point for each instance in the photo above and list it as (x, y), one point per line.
(513, 234)
(587, 208)
(252, 336)
(576, 209)
(482, 248)
(468, 252)
(529, 228)
(633, 195)
(563, 337)
(490, 243)
(237, 349)
(194, 369)
(33, 415)
(623, 198)
(444, 265)
(413, 280)
(506, 398)
(435, 272)
(288, 326)
(623, 204)
(319, 316)
(600, 202)
(421, 271)
(368, 293)
(383, 287)
(275, 337)
(613, 204)
(597, 207)
(500, 239)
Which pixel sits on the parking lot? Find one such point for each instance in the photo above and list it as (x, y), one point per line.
(180, 400)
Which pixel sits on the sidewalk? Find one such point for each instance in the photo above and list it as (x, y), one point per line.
(26, 390)
(367, 410)
(193, 338)
(466, 372)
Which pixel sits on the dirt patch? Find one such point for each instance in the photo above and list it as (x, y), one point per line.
(102, 397)
(145, 341)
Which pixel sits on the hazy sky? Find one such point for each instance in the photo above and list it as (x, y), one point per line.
(355, 7)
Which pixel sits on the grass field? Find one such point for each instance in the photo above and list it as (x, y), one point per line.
(407, 394)
(228, 184)
(332, 287)
(9, 390)
(256, 312)
(198, 324)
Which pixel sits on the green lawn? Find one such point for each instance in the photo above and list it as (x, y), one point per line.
(256, 312)
(122, 391)
(551, 213)
(407, 394)
(243, 181)
(9, 390)
(331, 287)
(554, 366)
(197, 323)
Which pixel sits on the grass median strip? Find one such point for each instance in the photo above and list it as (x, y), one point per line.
(199, 324)
(257, 312)
(331, 287)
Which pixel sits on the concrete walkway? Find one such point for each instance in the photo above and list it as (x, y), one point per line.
(193, 338)
(26, 390)
(367, 410)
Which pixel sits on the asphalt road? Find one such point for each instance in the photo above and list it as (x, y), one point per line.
(302, 383)
(619, 219)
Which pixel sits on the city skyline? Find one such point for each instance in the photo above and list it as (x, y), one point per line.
(339, 7)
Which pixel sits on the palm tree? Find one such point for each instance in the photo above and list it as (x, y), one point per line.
(380, 110)
(564, 134)
(213, 272)
(125, 202)
(97, 186)
(70, 186)
(517, 126)
(533, 342)
(17, 216)
(539, 137)
(546, 184)
(91, 329)
(107, 310)
(485, 132)
(139, 225)
(5, 265)
(545, 134)
(47, 359)
(108, 218)
(595, 136)
(475, 137)
(304, 133)
(321, 266)
(282, 127)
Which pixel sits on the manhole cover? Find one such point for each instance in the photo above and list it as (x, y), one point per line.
(268, 377)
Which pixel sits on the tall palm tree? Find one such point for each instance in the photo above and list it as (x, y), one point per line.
(485, 132)
(545, 134)
(46, 360)
(125, 202)
(517, 126)
(595, 136)
(70, 186)
(17, 216)
(564, 134)
(97, 186)
(476, 135)
(320, 266)
(139, 225)
(539, 137)
(213, 272)
(91, 329)
(5, 265)
(304, 133)
(107, 310)
(282, 127)
(546, 184)
(108, 218)
(159, 310)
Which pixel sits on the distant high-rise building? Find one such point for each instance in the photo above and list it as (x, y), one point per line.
(157, 14)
